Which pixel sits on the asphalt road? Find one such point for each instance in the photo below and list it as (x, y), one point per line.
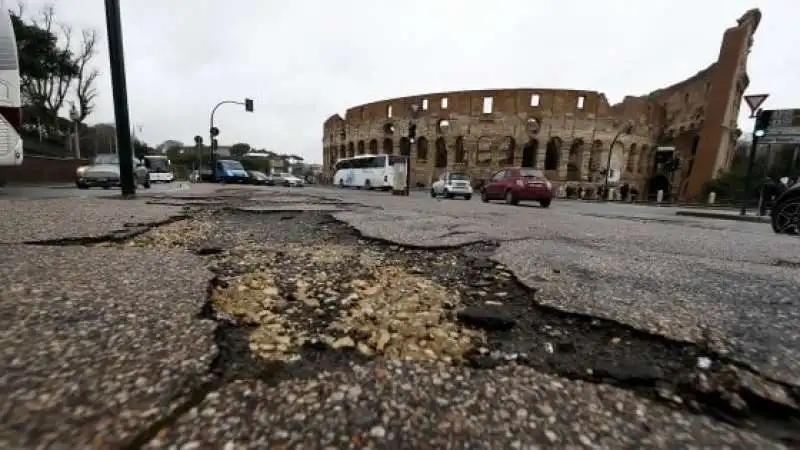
(731, 283)
(120, 354)
(70, 191)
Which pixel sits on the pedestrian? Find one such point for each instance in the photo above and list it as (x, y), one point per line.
(769, 190)
(624, 190)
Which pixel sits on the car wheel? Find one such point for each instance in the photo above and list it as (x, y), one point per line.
(468, 197)
(368, 185)
(786, 217)
(433, 193)
(545, 203)
(448, 194)
(510, 198)
(484, 196)
(81, 185)
(341, 184)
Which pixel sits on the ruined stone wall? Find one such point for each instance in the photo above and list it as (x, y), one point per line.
(571, 142)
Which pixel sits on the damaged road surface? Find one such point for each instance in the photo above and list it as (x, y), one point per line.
(255, 323)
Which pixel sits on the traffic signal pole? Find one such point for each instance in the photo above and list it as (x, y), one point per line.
(758, 130)
(214, 131)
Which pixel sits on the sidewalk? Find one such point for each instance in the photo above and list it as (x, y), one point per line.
(725, 215)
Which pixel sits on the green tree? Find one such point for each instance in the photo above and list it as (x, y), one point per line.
(240, 149)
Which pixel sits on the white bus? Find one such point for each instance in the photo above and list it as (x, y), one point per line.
(160, 168)
(366, 171)
(10, 96)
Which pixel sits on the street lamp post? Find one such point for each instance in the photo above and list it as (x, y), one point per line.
(119, 89)
(412, 133)
(625, 129)
(214, 131)
(76, 139)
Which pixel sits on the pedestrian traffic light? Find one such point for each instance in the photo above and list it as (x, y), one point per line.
(412, 131)
(248, 104)
(763, 121)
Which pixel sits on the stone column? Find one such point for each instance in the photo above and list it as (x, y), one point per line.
(563, 159)
(541, 155)
(586, 153)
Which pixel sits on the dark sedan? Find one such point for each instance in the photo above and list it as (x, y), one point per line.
(258, 178)
(786, 212)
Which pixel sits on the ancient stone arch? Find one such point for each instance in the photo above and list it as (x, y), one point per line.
(388, 146)
(529, 153)
(351, 149)
(361, 147)
(440, 161)
(373, 147)
(483, 157)
(461, 154)
(575, 160)
(422, 149)
(552, 156)
(342, 151)
(506, 150)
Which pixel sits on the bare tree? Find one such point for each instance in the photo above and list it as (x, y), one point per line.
(85, 82)
(52, 91)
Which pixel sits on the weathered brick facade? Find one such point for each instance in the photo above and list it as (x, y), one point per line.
(575, 128)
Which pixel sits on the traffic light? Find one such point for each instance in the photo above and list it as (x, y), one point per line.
(763, 121)
(214, 132)
(412, 131)
(248, 104)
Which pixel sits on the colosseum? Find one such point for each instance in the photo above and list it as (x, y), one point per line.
(566, 133)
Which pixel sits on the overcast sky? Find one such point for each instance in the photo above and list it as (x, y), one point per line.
(304, 60)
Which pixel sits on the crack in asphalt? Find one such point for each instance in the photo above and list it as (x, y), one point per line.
(651, 366)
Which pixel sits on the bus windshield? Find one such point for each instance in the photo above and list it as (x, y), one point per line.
(158, 164)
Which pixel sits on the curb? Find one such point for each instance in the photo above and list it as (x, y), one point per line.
(723, 216)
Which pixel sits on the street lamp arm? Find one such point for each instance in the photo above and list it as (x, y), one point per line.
(214, 110)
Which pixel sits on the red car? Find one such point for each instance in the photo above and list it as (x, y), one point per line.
(514, 184)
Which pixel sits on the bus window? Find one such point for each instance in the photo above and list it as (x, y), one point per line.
(379, 162)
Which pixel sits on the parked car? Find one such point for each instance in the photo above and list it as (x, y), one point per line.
(288, 180)
(452, 184)
(785, 213)
(517, 184)
(258, 178)
(104, 172)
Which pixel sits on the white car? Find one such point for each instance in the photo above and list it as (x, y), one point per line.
(452, 184)
(289, 180)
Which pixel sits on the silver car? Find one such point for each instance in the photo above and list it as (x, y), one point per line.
(104, 172)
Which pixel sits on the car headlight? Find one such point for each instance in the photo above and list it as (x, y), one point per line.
(81, 170)
(548, 184)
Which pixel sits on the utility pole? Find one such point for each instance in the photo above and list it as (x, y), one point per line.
(412, 135)
(119, 87)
